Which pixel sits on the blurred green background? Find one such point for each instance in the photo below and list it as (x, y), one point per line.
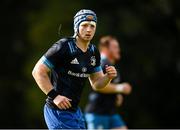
(149, 34)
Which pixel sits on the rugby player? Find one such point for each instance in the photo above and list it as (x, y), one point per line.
(102, 108)
(62, 71)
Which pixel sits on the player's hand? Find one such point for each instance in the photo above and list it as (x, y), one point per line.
(62, 102)
(111, 71)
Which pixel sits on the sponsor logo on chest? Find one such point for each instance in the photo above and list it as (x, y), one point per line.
(83, 73)
(75, 61)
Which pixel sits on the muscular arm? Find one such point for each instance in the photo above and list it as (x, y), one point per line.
(40, 74)
(100, 80)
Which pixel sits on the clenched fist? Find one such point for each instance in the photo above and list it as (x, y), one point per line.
(62, 102)
(111, 71)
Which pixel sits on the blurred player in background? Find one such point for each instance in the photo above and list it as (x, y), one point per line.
(70, 61)
(101, 111)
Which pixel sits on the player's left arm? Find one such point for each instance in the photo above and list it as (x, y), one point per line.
(99, 80)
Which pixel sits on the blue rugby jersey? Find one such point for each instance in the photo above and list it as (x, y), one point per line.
(70, 67)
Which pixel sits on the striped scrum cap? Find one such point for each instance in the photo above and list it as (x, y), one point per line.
(83, 15)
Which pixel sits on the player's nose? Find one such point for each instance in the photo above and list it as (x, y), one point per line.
(89, 29)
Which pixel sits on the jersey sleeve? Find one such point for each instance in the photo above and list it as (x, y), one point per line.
(97, 61)
(55, 55)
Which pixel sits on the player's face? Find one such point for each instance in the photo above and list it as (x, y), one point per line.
(87, 30)
(114, 50)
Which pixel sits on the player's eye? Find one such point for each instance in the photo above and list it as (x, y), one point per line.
(92, 26)
(85, 25)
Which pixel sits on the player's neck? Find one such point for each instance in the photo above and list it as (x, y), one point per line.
(82, 44)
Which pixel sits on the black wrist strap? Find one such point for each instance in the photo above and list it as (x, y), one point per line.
(52, 94)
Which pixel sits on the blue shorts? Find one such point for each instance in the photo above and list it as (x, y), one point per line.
(57, 119)
(95, 121)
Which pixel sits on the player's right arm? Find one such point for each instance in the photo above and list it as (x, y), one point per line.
(41, 74)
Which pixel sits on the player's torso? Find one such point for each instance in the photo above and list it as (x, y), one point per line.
(77, 63)
(71, 73)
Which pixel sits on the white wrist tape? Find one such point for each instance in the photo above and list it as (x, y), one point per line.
(119, 88)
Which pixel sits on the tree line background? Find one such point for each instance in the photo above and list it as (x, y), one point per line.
(148, 31)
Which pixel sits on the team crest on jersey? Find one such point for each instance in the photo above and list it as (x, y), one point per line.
(84, 69)
(93, 61)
